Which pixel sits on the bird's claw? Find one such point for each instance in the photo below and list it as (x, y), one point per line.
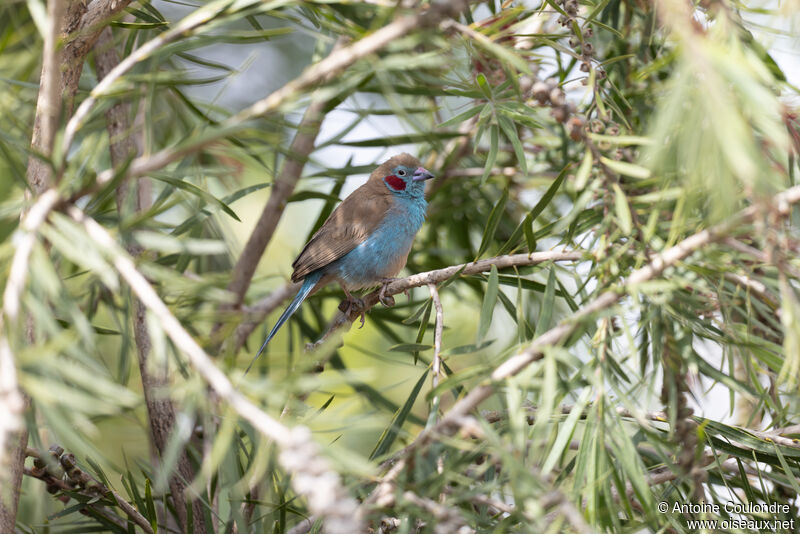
(353, 305)
(386, 300)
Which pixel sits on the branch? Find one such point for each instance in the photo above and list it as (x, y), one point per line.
(192, 21)
(12, 406)
(440, 275)
(83, 27)
(447, 519)
(76, 480)
(259, 312)
(437, 334)
(282, 188)
(452, 420)
(48, 104)
(130, 201)
(61, 71)
(300, 456)
(437, 348)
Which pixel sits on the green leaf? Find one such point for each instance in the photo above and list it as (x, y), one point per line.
(510, 132)
(584, 171)
(565, 432)
(526, 226)
(390, 434)
(622, 210)
(409, 347)
(530, 238)
(467, 349)
(169, 244)
(548, 301)
(491, 158)
(196, 191)
(484, 86)
(550, 193)
(461, 117)
(626, 169)
(489, 301)
(491, 224)
(186, 225)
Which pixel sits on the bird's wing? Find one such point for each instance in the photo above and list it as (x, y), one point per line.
(348, 226)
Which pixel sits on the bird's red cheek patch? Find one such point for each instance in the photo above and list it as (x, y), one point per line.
(395, 183)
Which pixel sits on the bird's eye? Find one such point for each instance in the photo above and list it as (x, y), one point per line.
(401, 172)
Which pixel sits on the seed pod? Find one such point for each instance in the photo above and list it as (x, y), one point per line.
(525, 84)
(68, 461)
(557, 96)
(575, 128)
(559, 113)
(540, 92)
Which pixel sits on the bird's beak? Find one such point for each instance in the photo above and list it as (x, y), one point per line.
(421, 174)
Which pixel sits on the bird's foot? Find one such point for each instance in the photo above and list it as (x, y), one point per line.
(353, 305)
(386, 300)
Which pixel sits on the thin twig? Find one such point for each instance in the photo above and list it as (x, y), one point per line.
(437, 346)
(758, 288)
(760, 255)
(445, 516)
(282, 187)
(440, 275)
(300, 456)
(303, 527)
(792, 429)
(82, 482)
(49, 101)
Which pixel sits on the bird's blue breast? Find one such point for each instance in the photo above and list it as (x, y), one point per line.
(383, 254)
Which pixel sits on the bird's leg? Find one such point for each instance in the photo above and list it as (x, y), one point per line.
(386, 300)
(351, 305)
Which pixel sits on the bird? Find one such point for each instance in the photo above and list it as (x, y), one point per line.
(366, 240)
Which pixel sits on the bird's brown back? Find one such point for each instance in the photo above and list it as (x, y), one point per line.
(351, 222)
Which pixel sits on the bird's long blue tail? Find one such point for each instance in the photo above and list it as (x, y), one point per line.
(308, 284)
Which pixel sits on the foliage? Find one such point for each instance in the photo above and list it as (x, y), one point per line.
(613, 128)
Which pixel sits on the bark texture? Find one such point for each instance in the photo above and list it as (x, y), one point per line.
(132, 197)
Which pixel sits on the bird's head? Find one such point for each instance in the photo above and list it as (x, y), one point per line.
(403, 175)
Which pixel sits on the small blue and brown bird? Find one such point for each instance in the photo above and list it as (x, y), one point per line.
(366, 240)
